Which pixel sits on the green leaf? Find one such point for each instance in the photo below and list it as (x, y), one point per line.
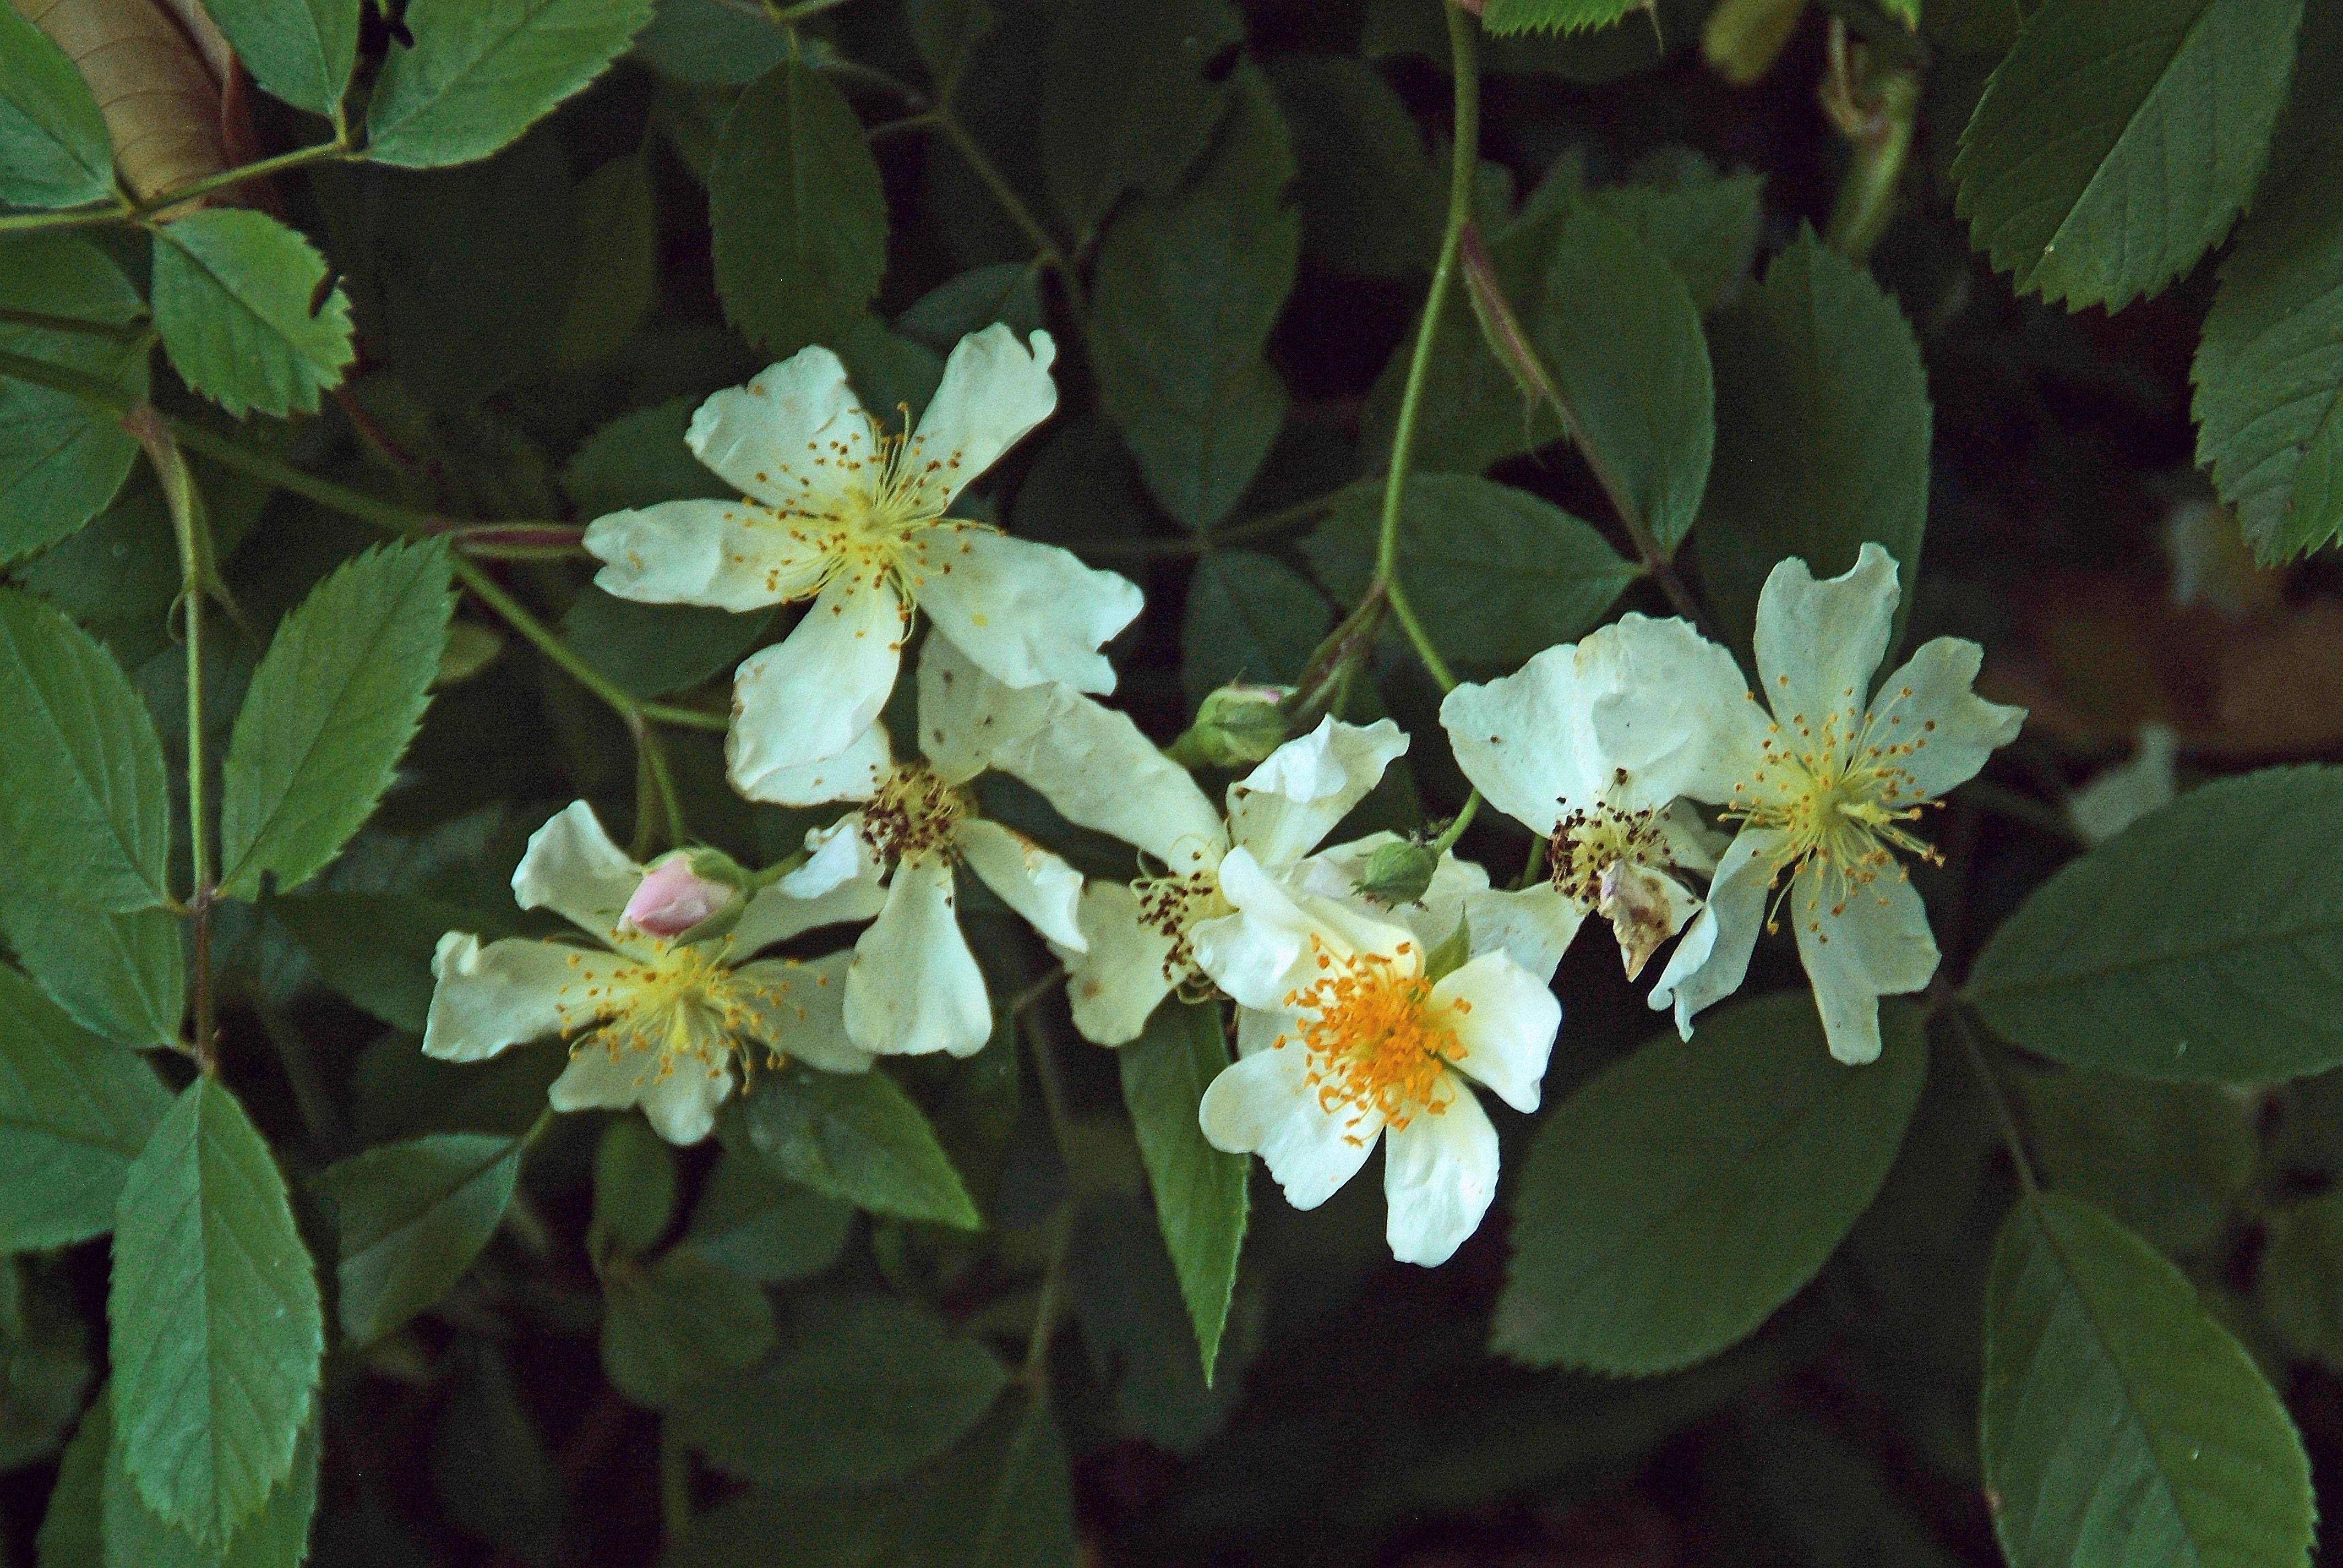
(72, 1531)
(1250, 617)
(874, 1386)
(410, 1218)
(233, 290)
(75, 1111)
(1007, 292)
(2201, 942)
(2166, 1160)
(1504, 17)
(857, 1137)
(634, 1185)
(1495, 573)
(711, 42)
(1201, 1195)
(54, 149)
(2115, 144)
(682, 1320)
(799, 219)
(299, 50)
(61, 463)
(1670, 1204)
(1823, 429)
(1127, 102)
(1371, 195)
(482, 71)
(329, 712)
(2269, 371)
(1001, 1500)
(123, 976)
(1127, 1298)
(2301, 1280)
(1188, 286)
(1705, 224)
(374, 947)
(82, 789)
(217, 1334)
(1621, 338)
(763, 1229)
(490, 1464)
(277, 1536)
(617, 225)
(651, 649)
(945, 32)
(639, 460)
(2121, 1424)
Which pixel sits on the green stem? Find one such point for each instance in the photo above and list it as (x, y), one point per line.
(1035, 1374)
(690, 717)
(663, 797)
(1463, 165)
(115, 331)
(2002, 1115)
(1456, 829)
(1045, 244)
(1277, 522)
(163, 201)
(1533, 869)
(1405, 613)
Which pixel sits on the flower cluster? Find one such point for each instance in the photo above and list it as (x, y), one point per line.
(1362, 1016)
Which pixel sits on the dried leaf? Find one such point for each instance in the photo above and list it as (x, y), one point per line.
(161, 101)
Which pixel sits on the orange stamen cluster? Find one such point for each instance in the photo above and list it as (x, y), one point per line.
(1839, 793)
(1376, 1043)
(914, 813)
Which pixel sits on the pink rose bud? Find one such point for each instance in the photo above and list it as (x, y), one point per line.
(672, 898)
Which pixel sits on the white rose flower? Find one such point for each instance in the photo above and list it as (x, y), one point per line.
(653, 1021)
(913, 986)
(1823, 793)
(840, 511)
(1347, 1038)
(1590, 745)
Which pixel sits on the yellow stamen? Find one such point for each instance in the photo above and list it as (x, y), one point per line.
(1376, 1042)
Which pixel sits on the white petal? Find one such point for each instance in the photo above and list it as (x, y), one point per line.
(1873, 941)
(1256, 954)
(1335, 872)
(1669, 707)
(678, 1095)
(573, 869)
(1090, 762)
(1927, 705)
(1535, 925)
(1029, 878)
(1264, 1104)
(2119, 795)
(1024, 612)
(813, 696)
(913, 986)
(1818, 642)
(1504, 1029)
(509, 993)
(1523, 741)
(1440, 1175)
(839, 855)
(1300, 791)
(1711, 961)
(1258, 1030)
(1116, 981)
(801, 1011)
(852, 775)
(994, 390)
(763, 438)
(682, 1106)
(731, 555)
(776, 914)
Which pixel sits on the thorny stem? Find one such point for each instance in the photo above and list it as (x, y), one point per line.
(185, 506)
(123, 210)
(1276, 522)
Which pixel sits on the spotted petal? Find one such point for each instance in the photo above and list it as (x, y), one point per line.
(1116, 981)
(509, 993)
(994, 390)
(1872, 942)
(729, 555)
(815, 694)
(1818, 642)
(1504, 1020)
(1024, 612)
(573, 869)
(1950, 729)
(800, 1010)
(1264, 1104)
(788, 436)
(678, 1091)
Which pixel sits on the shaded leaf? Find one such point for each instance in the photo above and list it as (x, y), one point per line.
(1250, 617)
(2164, 1160)
(2115, 144)
(1670, 1204)
(2121, 1423)
(233, 290)
(217, 1334)
(651, 649)
(860, 1138)
(2201, 942)
(75, 1111)
(329, 713)
(681, 1321)
(54, 150)
(300, 50)
(1127, 100)
(634, 1185)
(1188, 286)
(875, 1387)
(374, 947)
(482, 71)
(764, 1228)
(410, 1218)
(60, 463)
(799, 220)
(1372, 197)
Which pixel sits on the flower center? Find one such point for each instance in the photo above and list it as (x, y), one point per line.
(875, 510)
(1172, 905)
(1840, 794)
(1588, 842)
(1376, 1043)
(675, 1003)
(914, 813)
